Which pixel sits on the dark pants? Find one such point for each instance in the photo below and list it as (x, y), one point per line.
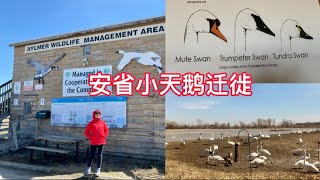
(92, 153)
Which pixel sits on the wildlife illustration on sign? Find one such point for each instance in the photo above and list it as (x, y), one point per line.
(290, 30)
(43, 70)
(247, 20)
(202, 21)
(147, 58)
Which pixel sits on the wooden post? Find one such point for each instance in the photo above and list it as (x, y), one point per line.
(319, 150)
(36, 132)
(236, 152)
(14, 136)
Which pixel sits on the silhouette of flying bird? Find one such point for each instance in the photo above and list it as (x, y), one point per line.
(148, 59)
(43, 70)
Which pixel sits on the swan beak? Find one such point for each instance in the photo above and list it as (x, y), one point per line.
(214, 24)
(261, 26)
(303, 34)
(117, 52)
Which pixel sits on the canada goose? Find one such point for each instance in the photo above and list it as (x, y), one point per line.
(43, 70)
(147, 58)
(290, 30)
(247, 20)
(202, 21)
(298, 151)
(227, 159)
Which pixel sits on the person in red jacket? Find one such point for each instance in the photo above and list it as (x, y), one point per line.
(96, 131)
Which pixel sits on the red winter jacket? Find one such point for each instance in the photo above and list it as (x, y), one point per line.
(97, 131)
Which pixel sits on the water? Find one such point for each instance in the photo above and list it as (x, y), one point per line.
(193, 134)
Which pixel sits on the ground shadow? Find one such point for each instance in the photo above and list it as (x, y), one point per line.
(115, 166)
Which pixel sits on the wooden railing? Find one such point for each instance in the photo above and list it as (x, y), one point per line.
(5, 96)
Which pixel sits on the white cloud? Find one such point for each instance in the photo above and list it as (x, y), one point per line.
(199, 105)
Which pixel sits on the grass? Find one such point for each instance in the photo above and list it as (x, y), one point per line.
(185, 163)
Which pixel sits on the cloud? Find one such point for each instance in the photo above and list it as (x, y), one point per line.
(199, 105)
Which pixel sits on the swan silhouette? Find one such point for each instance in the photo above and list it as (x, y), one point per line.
(148, 59)
(291, 29)
(202, 21)
(43, 70)
(247, 20)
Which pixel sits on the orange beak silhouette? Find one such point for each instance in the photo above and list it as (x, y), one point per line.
(214, 29)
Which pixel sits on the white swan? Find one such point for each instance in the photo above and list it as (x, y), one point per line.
(173, 136)
(247, 20)
(212, 138)
(231, 143)
(303, 157)
(148, 59)
(263, 151)
(300, 140)
(215, 148)
(308, 166)
(299, 164)
(290, 30)
(253, 154)
(199, 138)
(254, 138)
(258, 161)
(206, 152)
(214, 159)
(183, 143)
(201, 21)
(317, 164)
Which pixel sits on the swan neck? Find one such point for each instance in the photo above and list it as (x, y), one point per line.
(240, 39)
(191, 37)
(286, 44)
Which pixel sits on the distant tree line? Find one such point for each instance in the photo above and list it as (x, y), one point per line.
(259, 123)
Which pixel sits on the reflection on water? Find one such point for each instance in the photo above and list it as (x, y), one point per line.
(192, 134)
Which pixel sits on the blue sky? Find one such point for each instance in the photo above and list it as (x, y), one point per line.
(297, 102)
(27, 20)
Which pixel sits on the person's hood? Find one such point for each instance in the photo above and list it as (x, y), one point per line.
(93, 114)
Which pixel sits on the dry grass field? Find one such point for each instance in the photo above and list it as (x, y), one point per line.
(185, 163)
